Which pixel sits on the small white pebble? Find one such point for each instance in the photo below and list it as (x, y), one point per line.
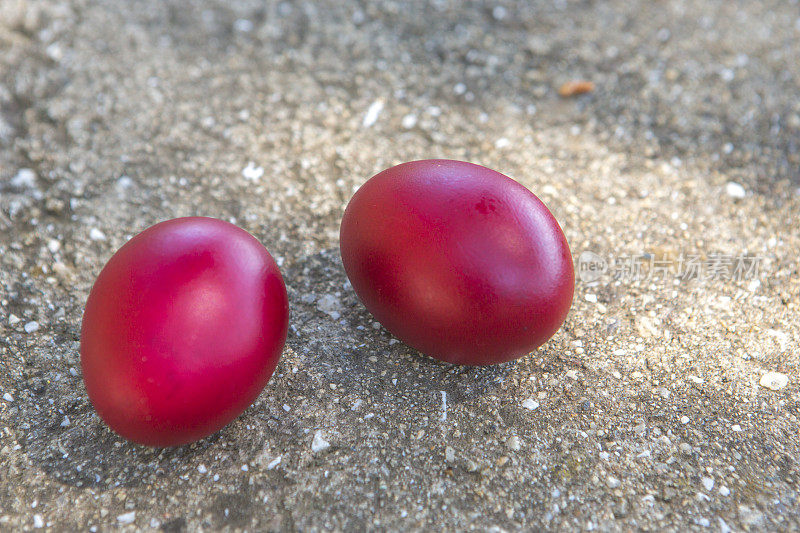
(513, 443)
(13, 319)
(592, 298)
(330, 305)
(127, 518)
(499, 12)
(372, 114)
(727, 74)
(202, 468)
(684, 420)
(449, 454)
(736, 427)
(24, 179)
(245, 468)
(409, 121)
(65, 422)
(319, 443)
(38, 523)
(612, 482)
(502, 142)
(7, 397)
(724, 491)
(286, 408)
(530, 404)
(96, 235)
(696, 380)
(708, 483)
(243, 25)
(252, 172)
(774, 381)
(123, 183)
(53, 245)
(275, 462)
(605, 456)
(572, 374)
(31, 326)
(734, 190)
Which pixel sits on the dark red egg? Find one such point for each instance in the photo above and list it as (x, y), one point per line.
(182, 330)
(458, 261)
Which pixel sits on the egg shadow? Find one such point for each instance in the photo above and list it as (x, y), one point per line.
(339, 342)
(333, 339)
(59, 431)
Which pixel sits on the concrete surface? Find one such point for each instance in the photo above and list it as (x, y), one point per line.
(649, 410)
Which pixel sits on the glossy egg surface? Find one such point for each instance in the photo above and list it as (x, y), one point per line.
(458, 261)
(182, 330)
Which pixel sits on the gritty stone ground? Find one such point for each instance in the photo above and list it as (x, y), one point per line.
(648, 410)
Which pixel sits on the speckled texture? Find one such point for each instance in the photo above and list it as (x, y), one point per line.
(644, 411)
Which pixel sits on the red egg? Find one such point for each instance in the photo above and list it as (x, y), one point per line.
(458, 261)
(182, 330)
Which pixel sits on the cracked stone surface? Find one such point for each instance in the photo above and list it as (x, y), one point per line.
(646, 411)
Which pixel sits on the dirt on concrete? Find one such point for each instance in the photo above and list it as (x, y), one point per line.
(668, 401)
